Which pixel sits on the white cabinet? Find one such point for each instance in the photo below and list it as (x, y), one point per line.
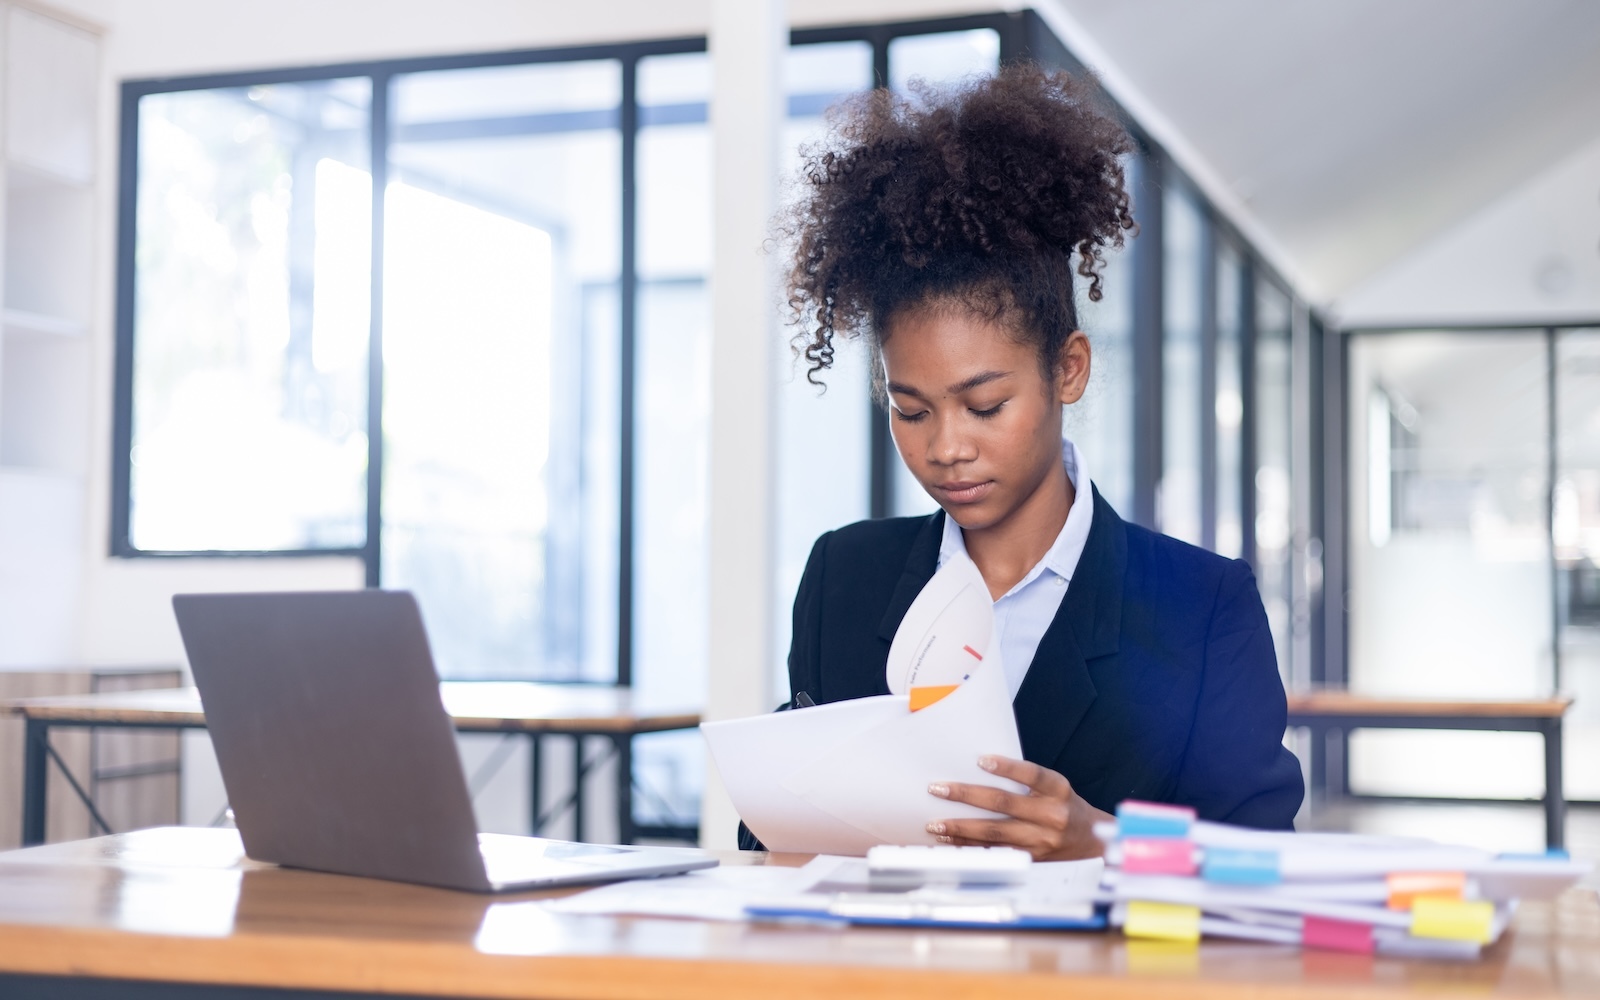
(51, 93)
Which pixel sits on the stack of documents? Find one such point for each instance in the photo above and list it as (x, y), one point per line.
(837, 890)
(842, 778)
(1170, 876)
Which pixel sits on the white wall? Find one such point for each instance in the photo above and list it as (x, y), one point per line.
(1531, 256)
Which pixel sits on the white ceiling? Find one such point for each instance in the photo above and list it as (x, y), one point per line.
(1354, 130)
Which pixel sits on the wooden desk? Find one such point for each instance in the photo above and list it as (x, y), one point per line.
(536, 710)
(182, 905)
(1339, 712)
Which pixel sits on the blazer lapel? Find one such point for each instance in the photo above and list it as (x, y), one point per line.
(1057, 691)
(920, 565)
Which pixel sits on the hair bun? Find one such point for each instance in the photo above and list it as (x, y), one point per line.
(929, 191)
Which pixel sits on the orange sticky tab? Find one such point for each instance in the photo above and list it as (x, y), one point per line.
(922, 697)
(1405, 888)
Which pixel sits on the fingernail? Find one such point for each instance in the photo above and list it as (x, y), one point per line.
(988, 763)
(940, 789)
(936, 828)
(945, 840)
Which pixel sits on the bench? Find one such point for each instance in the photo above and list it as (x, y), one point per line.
(1328, 711)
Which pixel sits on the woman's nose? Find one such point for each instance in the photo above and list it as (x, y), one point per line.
(949, 444)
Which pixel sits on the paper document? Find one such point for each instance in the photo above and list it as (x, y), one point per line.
(845, 777)
(1058, 893)
(720, 893)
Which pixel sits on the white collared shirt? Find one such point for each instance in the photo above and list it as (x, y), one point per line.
(1023, 613)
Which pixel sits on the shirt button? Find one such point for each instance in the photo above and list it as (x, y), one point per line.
(1061, 582)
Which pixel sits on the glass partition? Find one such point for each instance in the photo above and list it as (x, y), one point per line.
(1575, 522)
(1178, 504)
(1274, 435)
(1228, 406)
(823, 435)
(251, 300)
(937, 59)
(1449, 550)
(501, 259)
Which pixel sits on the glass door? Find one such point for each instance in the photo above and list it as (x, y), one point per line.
(1450, 578)
(1575, 524)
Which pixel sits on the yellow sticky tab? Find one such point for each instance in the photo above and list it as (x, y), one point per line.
(1162, 921)
(1452, 919)
(1407, 887)
(922, 697)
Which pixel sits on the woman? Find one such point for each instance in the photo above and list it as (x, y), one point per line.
(943, 231)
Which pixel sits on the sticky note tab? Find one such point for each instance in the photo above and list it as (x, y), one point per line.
(1405, 888)
(1157, 856)
(1337, 935)
(1153, 819)
(1162, 921)
(1452, 919)
(1232, 866)
(922, 697)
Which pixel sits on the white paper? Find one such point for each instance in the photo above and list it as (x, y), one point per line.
(878, 779)
(720, 893)
(845, 777)
(946, 633)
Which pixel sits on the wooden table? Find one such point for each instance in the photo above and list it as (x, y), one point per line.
(181, 905)
(1339, 712)
(535, 710)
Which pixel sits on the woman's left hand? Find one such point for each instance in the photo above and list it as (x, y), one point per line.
(1052, 822)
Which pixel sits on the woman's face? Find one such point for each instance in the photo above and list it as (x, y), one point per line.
(974, 418)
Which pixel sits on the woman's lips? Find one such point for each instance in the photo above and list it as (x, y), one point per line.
(965, 492)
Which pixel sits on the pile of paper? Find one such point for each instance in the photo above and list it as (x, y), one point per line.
(1170, 876)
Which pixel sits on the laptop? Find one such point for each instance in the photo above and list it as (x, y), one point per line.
(338, 755)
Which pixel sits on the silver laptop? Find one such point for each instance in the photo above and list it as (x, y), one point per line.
(338, 755)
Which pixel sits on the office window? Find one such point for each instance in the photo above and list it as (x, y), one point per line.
(535, 423)
(1274, 427)
(249, 424)
(1228, 407)
(942, 57)
(501, 259)
(1576, 528)
(1183, 242)
(672, 421)
(824, 438)
(1101, 423)
(1450, 584)
(935, 59)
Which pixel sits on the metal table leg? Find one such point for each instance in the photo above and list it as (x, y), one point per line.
(535, 782)
(625, 830)
(1317, 762)
(35, 763)
(577, 788)
(1555, 798)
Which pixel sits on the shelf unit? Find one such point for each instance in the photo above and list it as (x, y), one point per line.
(49, 114)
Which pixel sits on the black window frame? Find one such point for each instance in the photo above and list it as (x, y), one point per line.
(1022, 35)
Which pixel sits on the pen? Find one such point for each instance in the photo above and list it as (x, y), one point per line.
(803, 700)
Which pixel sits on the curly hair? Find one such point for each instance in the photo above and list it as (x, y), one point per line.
(978, 195)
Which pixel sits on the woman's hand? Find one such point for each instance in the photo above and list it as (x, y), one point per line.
(1051, 822)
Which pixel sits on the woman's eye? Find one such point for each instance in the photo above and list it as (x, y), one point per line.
(991, 411)
(910, 418)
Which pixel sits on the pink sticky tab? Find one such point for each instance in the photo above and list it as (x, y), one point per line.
(1336, 935)
(1157, 856)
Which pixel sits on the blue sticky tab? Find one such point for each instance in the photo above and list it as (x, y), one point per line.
(1145, 819)
(1232, 866)
(1551, 854)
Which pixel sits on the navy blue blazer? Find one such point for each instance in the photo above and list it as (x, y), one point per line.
(1156, 680)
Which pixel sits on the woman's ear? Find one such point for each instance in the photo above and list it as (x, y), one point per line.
(1072, 375)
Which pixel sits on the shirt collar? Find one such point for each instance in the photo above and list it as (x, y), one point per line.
(1063, 555)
